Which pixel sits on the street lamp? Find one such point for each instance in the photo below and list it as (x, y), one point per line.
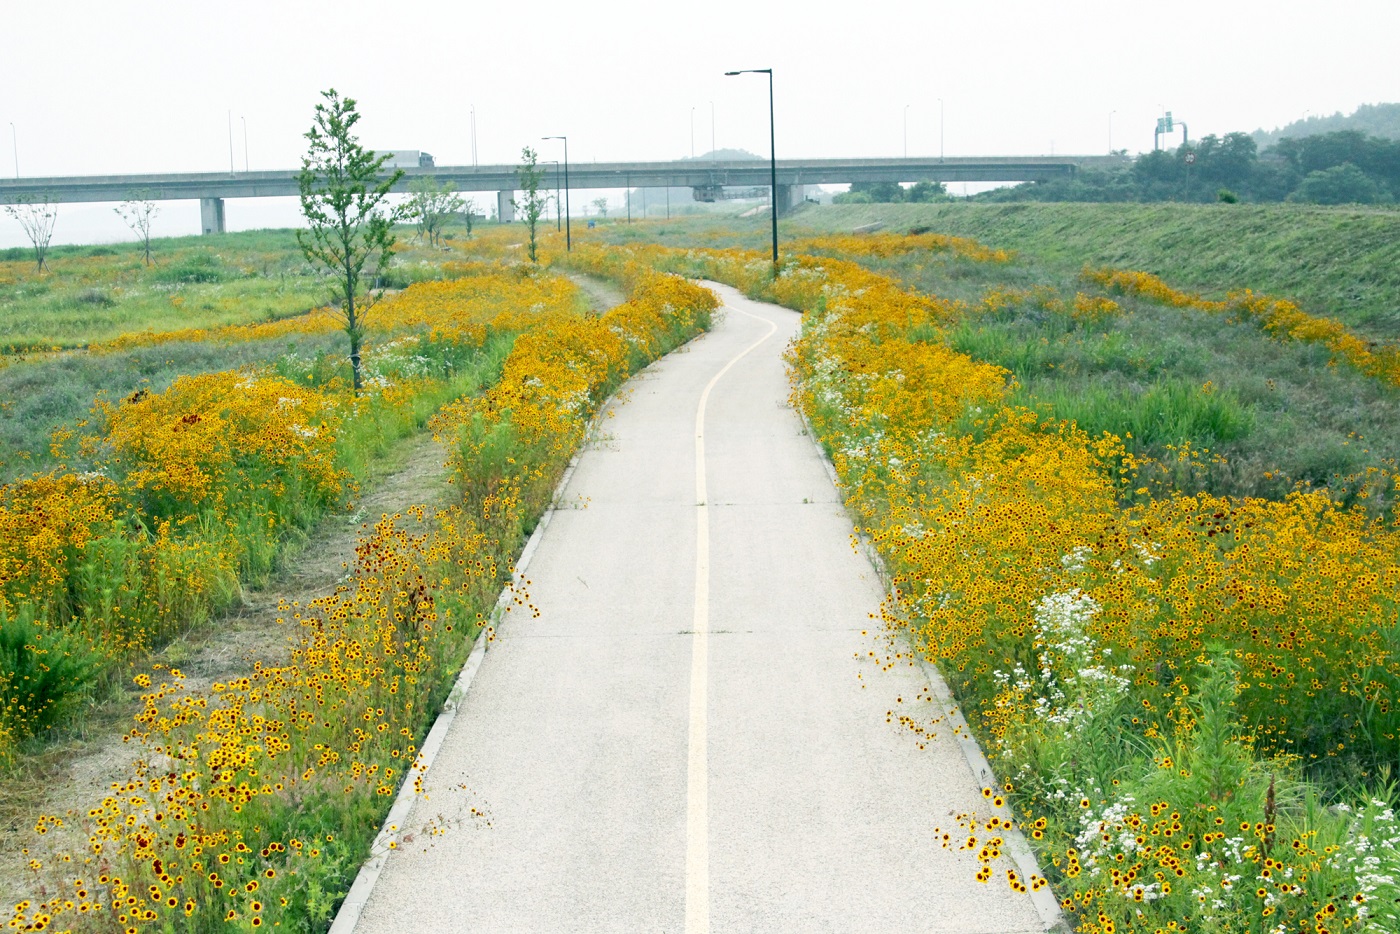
(568, 234)
(558, 216)
(940, 129)
(772, 152)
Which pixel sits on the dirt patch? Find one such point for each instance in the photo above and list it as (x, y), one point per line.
(75, 773)
(602, 294)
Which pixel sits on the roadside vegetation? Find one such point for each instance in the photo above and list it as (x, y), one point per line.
(256, 803)
(1190, 696)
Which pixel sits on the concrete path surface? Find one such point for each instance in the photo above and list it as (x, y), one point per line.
(685, 740)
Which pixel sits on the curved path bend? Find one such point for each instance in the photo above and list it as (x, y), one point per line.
(691, 737)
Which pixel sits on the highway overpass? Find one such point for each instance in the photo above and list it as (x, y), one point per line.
(706, 178)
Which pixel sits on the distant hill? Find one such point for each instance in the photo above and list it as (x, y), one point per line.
(734, 155)
(1381, 120)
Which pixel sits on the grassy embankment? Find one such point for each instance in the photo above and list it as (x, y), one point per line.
(1339, 262)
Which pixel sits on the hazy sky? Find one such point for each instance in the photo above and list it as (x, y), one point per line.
(125, 87)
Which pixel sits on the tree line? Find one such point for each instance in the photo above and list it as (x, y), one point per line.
(1341, 167)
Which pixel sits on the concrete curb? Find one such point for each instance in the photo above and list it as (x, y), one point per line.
(1047, 906)
(348, 916)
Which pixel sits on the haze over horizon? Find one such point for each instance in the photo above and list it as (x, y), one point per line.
(127, 87)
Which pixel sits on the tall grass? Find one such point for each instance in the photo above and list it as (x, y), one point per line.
(1169, 412)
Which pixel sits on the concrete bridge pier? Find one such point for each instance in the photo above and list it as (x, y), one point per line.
(211, 215)
(505, 211)
(790, 196)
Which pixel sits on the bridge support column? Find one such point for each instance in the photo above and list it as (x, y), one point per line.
(790, 196)
(505, 211)
(211, 215)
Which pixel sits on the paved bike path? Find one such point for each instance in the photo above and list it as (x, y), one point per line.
(681, 742)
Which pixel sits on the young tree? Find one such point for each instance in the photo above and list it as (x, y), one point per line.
(137, 212)
(36, 214)
(602, 205)
(467, 207)
(430, 205)
(349, 223)
(532, 205)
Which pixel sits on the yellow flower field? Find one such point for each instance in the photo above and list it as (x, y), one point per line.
(1173, 688)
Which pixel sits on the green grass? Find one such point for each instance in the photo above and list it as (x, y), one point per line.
(1339, 262)
(96, 293)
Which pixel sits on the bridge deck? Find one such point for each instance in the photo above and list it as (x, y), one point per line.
(689, 173)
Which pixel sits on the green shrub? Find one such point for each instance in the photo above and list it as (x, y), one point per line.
(44, 673)
(197, 267)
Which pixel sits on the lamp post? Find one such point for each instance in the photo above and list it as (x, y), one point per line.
(906, 131)
(245, 142)
(558, 215)
(230, 143)
(772, 152)
(568, 234)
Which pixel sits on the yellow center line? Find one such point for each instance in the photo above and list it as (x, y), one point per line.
(697, 827)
